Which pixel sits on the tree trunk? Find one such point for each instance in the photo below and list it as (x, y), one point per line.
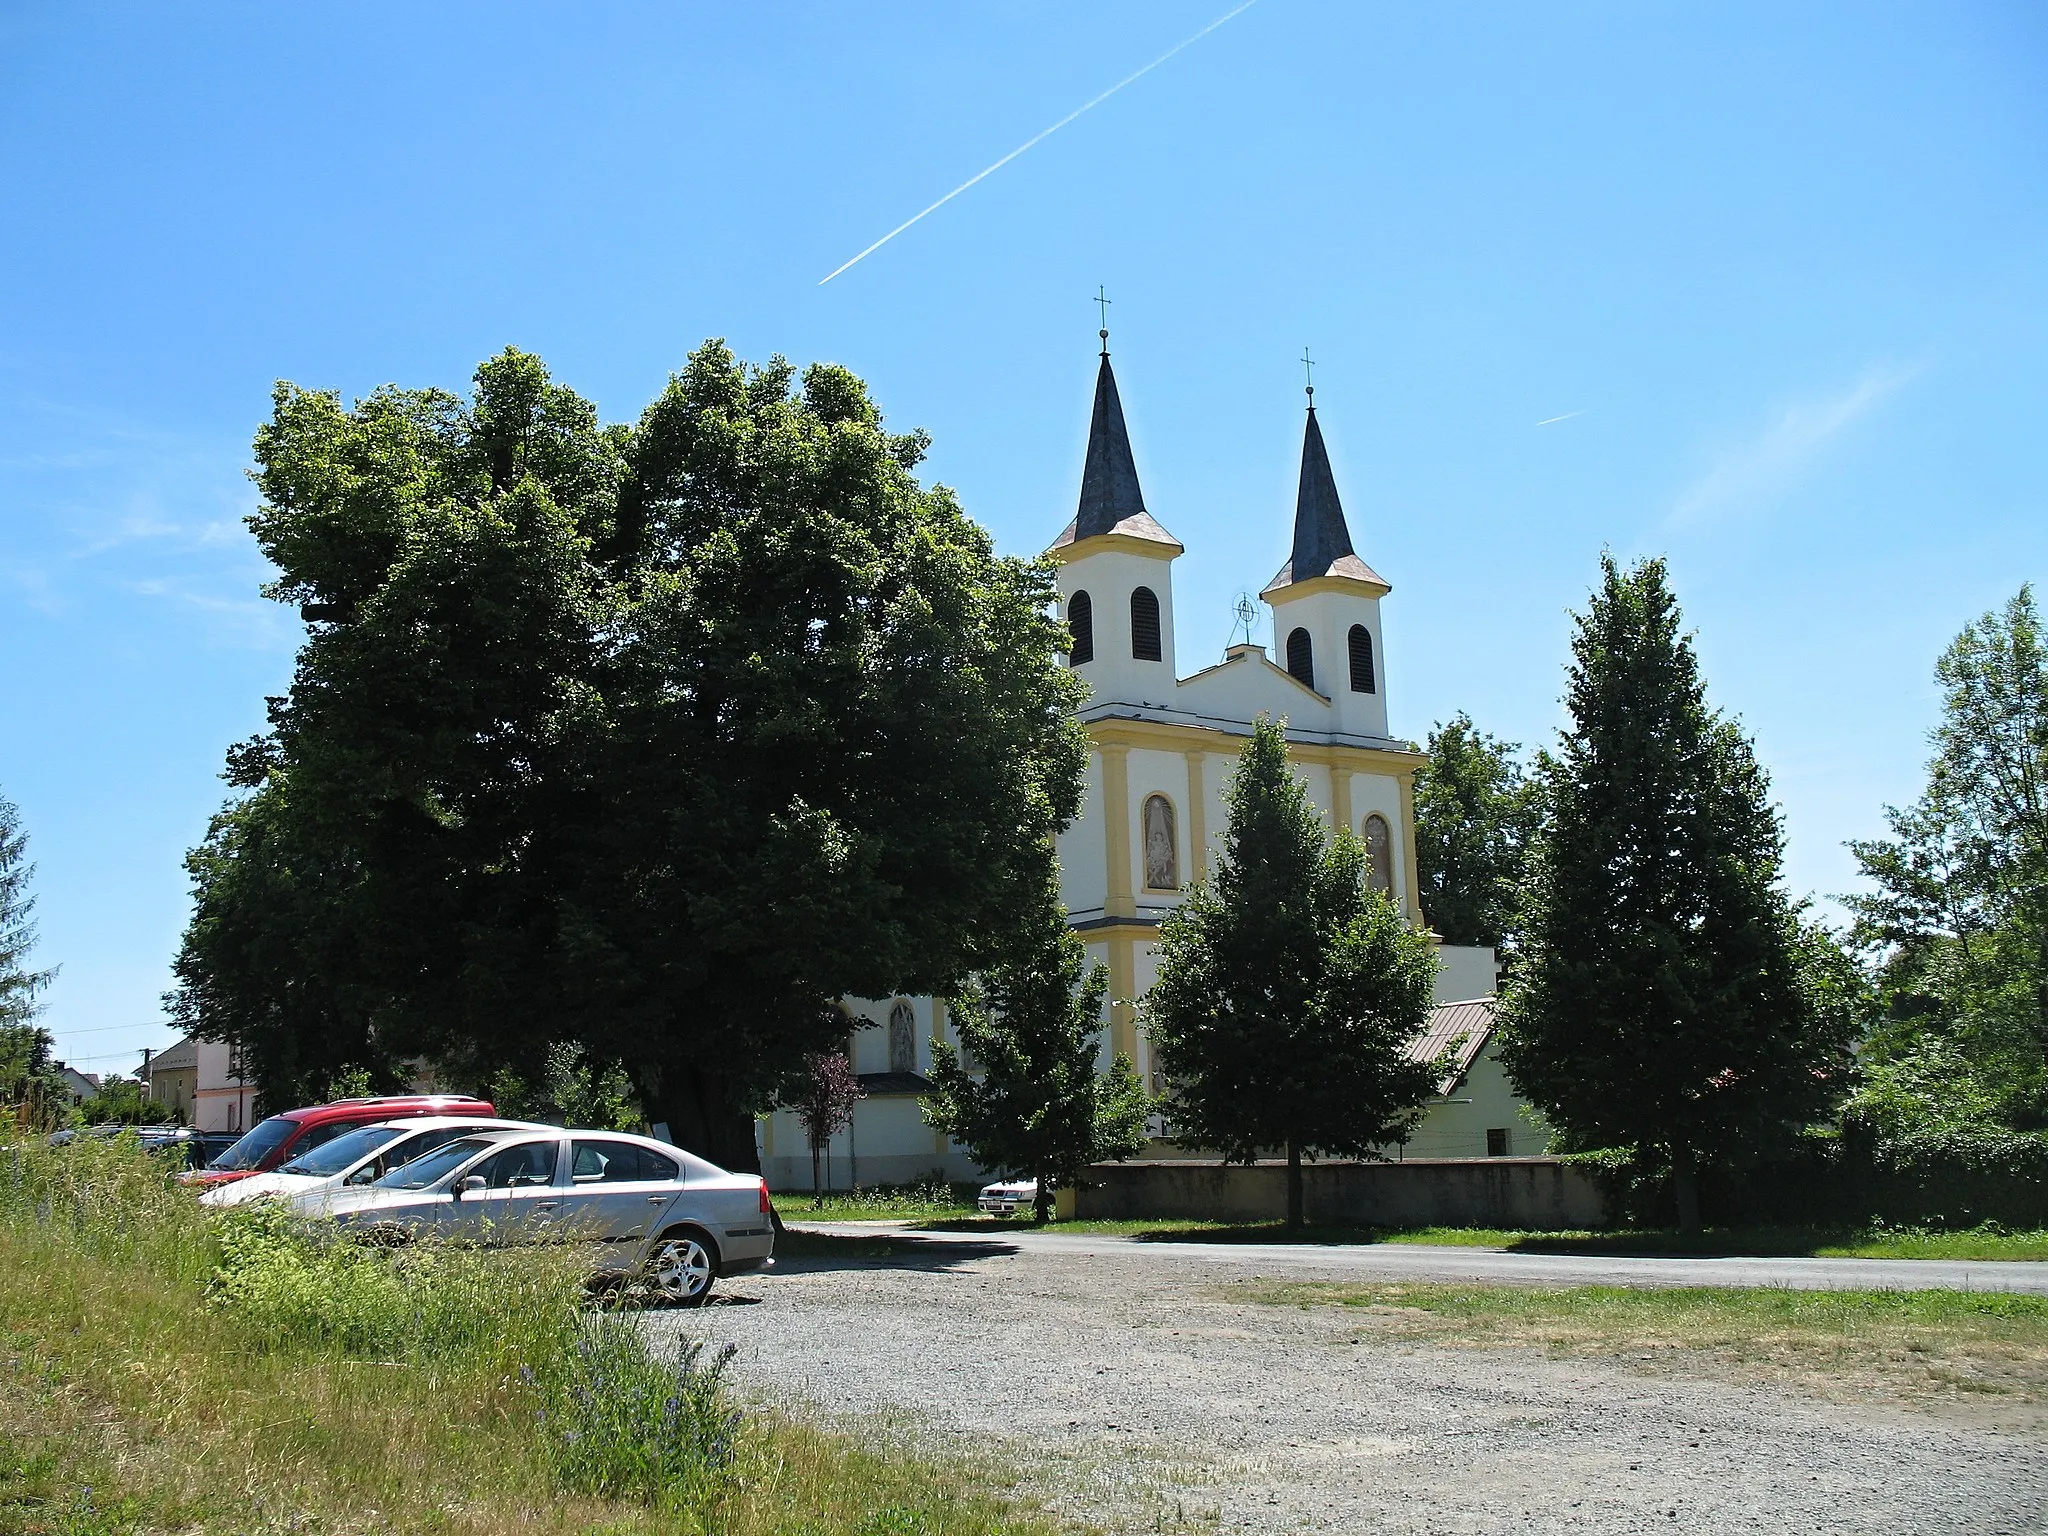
(701, 1116)
(1685, 1185)
(1294, 1200)
(1041, 1203)
(817, 1184)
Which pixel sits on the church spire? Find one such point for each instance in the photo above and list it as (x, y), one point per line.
(1322, 539)
(1109, 482)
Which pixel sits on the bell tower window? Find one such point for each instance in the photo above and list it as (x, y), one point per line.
(1362, 679)
(1301, 658)
(1081, 629)
(1145, 624)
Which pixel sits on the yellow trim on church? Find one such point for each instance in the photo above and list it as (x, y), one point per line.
(1105, 543)
(1354, 585)
(1176, 736)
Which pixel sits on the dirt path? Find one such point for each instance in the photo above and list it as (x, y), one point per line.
(1131, 1389)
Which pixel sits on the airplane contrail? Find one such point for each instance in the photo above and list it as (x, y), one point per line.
(1567, 416)
(1037, 138)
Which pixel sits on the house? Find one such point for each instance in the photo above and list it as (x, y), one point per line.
(200, 1083)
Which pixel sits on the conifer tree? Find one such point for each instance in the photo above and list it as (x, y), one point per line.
(1288, 991)
(1661, 1003)
(19, 986)
(1037, 1105)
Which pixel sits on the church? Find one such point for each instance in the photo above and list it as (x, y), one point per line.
(1161, 746)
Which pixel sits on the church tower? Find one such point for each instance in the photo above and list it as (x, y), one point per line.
(1326, 602)
(1115, 580)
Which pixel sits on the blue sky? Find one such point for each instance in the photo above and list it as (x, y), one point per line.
(1781, 271)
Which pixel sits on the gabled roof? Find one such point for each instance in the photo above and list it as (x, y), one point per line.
(173, 1057)
(1322, 540)
(1467, 1025)
(1111, 500)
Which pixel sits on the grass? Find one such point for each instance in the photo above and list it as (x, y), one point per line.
(1979, 1243)
(931, 1200)
(161, 1371)
(1905, 1344)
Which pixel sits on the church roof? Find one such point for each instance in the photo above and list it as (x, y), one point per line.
(1322, 541)
(1111, 501)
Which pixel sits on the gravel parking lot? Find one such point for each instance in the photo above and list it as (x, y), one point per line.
(1131, 1389)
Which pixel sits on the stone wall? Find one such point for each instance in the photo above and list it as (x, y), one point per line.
(1518, 1193)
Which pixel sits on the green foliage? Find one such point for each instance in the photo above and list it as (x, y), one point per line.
(654, 737)
(629, 1417)
(1288, 991)
(1032, 1019)
(1667, 997)
(572, 1090)
(31, 1088)
(19, 986)
(1475, 811)
(121, 1101)
(1958, 913)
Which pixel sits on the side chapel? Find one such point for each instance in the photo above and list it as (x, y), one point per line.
(1161, 748)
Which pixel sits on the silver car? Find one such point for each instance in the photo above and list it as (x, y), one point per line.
(653, 1210)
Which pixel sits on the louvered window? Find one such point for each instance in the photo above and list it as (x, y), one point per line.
(1362, 680)
(1145, 624)
(1301, 657)
(1081, 626)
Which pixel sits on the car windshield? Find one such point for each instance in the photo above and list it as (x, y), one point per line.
(342, 1153)
(422, 1171)
(247, 1155)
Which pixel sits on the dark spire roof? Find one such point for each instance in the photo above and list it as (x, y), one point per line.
(1322, 541)
(1111, 501)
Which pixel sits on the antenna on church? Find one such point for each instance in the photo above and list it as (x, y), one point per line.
(1246, 611)
(1309, 372)
(1102, 303)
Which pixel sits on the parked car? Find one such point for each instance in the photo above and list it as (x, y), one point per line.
(281, 1138)
(362, 1156)
(1009, 1197)
(650, 1209)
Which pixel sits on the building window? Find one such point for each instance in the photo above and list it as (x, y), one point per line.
(1301, 658)
(1361, 660)
(1080, 629)
(1145, 625)
(902, 1039)
(1162, 846)
(1497, 1142)
(1379, 854)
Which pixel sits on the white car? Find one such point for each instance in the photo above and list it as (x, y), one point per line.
(650, 1209)
(361, 1156)
(1009, 1197)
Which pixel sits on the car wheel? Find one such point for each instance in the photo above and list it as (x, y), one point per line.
(681, 1269)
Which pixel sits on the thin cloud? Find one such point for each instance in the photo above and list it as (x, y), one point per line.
(1553, 420)
(1757, 473)
(1038, 138)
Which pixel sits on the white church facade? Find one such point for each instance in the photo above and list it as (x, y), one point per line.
(1161, 747)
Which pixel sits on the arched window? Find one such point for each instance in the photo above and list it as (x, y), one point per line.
(902, 1039)
(1362, 680)
(1145, 624)
(1162, 846)
(1301, 657)
(1379, 854)
(1081, 626)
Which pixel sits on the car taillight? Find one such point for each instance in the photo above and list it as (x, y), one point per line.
(766, 1209)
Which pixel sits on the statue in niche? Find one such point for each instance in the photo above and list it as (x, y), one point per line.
(1379, 855)
(902, 1039)
(1162, 859)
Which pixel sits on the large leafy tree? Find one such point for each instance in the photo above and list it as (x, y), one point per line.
(1474, 812)
(1288, 991)
(1958, 908)
(655, 738)
(1666, 1000)
(1037, 1103)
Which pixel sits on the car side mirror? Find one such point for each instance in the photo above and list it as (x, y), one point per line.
(469, 1186)
(363, 1175)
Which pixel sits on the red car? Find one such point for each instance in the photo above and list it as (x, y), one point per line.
(283, 1137)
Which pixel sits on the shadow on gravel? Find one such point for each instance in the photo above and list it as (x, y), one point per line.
(801, 1252)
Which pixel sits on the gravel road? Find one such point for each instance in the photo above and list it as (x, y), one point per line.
(1135, 1392)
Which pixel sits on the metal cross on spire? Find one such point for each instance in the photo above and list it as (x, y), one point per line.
(1102, 303)
(1308, 369)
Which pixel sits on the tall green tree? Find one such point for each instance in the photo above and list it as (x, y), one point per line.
(1474, 812)
(1958, 910)
(653, 737)
(1664, 1000)
(20, 987)
(1288, 991)
(1038, 1105)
